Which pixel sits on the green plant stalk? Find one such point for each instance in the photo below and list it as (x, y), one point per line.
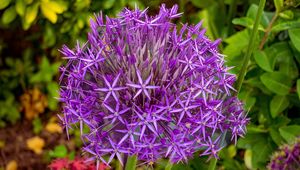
(231, 14)
(131, 163)
(250, 47)
(212, 164)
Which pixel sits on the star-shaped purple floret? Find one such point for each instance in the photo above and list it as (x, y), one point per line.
(111, 88)
(142, 86)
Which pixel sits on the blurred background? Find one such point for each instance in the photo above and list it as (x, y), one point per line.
(32, 32)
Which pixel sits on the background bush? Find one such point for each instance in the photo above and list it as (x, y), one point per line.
(32, 31)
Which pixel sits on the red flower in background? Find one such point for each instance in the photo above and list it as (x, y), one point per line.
(77, 164)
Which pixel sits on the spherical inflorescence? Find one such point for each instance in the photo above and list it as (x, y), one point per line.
(143, 88)
(287, 157)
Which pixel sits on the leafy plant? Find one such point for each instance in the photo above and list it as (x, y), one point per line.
(271, 79)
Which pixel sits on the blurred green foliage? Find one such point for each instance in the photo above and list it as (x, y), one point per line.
(33, 31)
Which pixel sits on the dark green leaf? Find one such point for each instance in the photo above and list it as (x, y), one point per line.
(202, 3)
(275, 135)
(49, 36)
(261, 152)
(298, 88)
(295, 37)
(278, 104)
(289, 133)
(246, 22)
(276, 82)
(251, 13)
(247, 98)
(262, 60)
(250, 140)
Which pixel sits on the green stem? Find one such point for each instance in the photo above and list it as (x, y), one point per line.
(231, 14)
(131, 162)
(250, 47)
(212, 164)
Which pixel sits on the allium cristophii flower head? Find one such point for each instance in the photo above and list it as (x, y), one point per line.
(287, 157)
(144, 88)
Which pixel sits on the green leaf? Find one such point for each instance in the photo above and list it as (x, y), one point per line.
(287, 14)
(37, 125)
(281, 26)
(49, 36)
(246, 22)
(251, 13)
(30, 15)
(46, 71)
(59, 151)
(278, 5)
(4, 3)
(288, 65)
(108, 4)
(295, 37)
(72, 155)
(276, 82)
(9, 15)
(260, 146)
(278, 104)
(169, 166)
(20, 7)
(281, 55)
(298, 88)
(248, 158)
(250, 140)
(262, 60)
(52, 89)
(289, 133)
(261, 153)
(247, 98)
(236, 43)
(131, 162)
(202, 3)
(275, 135)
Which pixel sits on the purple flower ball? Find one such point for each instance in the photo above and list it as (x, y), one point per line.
(287, 157)
(144, 87)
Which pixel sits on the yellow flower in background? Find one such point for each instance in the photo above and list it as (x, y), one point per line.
(35, 144)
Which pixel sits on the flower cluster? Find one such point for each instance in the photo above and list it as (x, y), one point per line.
(145, 88)
(288, 157)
